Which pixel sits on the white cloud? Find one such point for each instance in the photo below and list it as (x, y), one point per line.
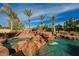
(35, 21)
(57, 10)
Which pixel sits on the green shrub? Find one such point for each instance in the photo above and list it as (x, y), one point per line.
(46, 28)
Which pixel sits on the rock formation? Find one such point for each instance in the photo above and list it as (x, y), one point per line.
(3, 50)
(38, 39)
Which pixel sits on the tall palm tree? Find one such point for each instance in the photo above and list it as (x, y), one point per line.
(53, 18)
(28, 13)
(14, 22)
(10, 13)
(42, 17)
(6, 9)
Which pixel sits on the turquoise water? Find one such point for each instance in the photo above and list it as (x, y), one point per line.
(60, 47)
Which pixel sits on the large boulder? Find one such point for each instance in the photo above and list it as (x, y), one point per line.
(26, 46)
(47, 35)
(30, 49)
(3, 50)
(38, 39)
(27, 33)
(38, 44)
(18, 47)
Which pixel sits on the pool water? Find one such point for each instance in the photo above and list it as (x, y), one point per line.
(60, 47)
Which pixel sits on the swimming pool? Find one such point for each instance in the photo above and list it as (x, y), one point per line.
(60, 47)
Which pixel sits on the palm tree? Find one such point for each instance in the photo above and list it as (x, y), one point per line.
(42, 18)
(10, 13)
(59, 27)
(6, 9)
(53, 18)
(14, 22)
(28, 13)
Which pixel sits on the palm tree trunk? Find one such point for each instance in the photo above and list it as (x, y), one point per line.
(41, 23)
(29, 22)
(54, 28)
(11, 25)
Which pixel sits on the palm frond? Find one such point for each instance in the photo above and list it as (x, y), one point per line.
(27, 12)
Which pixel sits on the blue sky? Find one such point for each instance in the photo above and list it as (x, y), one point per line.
(62, 11)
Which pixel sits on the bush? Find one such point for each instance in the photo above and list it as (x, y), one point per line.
(49, 29)
(45, 27)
